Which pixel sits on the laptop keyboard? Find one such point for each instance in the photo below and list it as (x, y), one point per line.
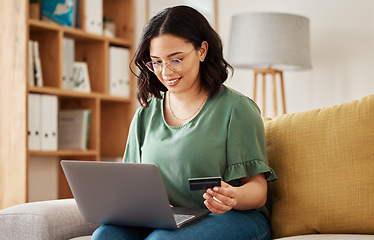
(181, 218)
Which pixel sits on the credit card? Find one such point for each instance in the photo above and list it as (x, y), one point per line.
(204, 183)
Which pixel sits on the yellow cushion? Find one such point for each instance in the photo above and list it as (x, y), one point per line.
(324, 160)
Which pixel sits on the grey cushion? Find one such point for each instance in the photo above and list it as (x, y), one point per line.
(330, 237)
(57, 219)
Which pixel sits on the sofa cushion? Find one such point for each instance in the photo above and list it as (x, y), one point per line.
(330, 237)
(47, 220)
(324, 160)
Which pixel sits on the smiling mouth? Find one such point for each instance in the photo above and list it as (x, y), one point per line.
(172, 82)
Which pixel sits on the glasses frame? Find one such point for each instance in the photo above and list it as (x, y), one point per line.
(147, 64)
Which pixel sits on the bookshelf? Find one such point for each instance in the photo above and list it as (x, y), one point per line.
(110, 115)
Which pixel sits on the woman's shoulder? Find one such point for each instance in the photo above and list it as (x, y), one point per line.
(235, 99)
(154, 104)
(229, 93)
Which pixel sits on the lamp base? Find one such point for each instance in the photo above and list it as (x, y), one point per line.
(273, 73)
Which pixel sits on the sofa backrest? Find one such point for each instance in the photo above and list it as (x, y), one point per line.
(324, 160)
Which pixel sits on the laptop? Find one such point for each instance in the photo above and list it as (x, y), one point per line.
(129, 194)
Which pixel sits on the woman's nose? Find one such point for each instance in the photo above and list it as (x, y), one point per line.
(165, 70)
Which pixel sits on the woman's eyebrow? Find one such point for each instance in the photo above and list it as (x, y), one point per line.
(170, 55)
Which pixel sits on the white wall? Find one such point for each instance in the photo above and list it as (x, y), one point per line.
(342, 49)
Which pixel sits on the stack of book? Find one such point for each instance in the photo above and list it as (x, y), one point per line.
(74, 129)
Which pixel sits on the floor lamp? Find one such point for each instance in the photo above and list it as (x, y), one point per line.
(269, 43)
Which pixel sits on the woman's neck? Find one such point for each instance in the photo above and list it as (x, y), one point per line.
(182, 107)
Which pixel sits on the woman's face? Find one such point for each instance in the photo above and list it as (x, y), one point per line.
(168, 47)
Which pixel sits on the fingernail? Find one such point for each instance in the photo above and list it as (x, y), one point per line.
(209, 191)
(215, 189)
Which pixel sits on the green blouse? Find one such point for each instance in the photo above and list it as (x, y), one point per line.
(226, 138)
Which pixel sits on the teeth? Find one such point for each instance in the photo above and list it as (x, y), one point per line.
(173, 81)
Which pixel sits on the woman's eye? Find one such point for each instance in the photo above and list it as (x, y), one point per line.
(176, 60)
(156, 63)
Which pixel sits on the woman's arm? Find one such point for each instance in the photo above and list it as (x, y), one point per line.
(252, 194)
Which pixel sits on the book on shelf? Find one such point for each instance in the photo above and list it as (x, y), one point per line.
(74, 129)
(68, 63)
(30, 63)
(38, 75)
(94, 16)
(63, 12)
(119, 76)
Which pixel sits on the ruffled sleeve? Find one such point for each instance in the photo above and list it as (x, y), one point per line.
(246, 146)
(250, 168)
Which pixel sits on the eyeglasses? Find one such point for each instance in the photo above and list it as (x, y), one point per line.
(174, 65)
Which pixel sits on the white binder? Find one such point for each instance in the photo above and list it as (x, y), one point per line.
(119, 76)
(68, 60)
(34, 123)
(94, 16)
(49, 113)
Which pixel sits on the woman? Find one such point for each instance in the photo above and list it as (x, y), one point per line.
(191, 125)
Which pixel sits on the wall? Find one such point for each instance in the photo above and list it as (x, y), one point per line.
(342, 50)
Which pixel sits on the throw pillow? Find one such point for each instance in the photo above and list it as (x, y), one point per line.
(324, 160)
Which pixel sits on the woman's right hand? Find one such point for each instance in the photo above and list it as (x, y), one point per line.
(220, 199)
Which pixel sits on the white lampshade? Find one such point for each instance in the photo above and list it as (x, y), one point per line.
(269, 40)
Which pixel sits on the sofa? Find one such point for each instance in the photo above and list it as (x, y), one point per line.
(324, 160)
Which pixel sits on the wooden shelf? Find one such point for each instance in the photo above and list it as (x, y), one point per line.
(62, 92)
(76, 94)
(111, 98)
(65, 153)
(36, 25)
(110, 115)
(76, 33)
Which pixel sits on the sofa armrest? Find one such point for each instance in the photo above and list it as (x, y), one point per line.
(55, 219)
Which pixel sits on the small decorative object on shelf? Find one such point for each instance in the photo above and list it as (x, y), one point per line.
(60, 11)
(109, 27)
(34, 10)
(81, 77)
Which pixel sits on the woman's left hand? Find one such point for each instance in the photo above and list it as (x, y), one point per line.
(220, 199)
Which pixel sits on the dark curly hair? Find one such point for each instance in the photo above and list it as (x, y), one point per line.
(185, 22)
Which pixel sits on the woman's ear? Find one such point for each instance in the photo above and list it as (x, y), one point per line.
(203, 50)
